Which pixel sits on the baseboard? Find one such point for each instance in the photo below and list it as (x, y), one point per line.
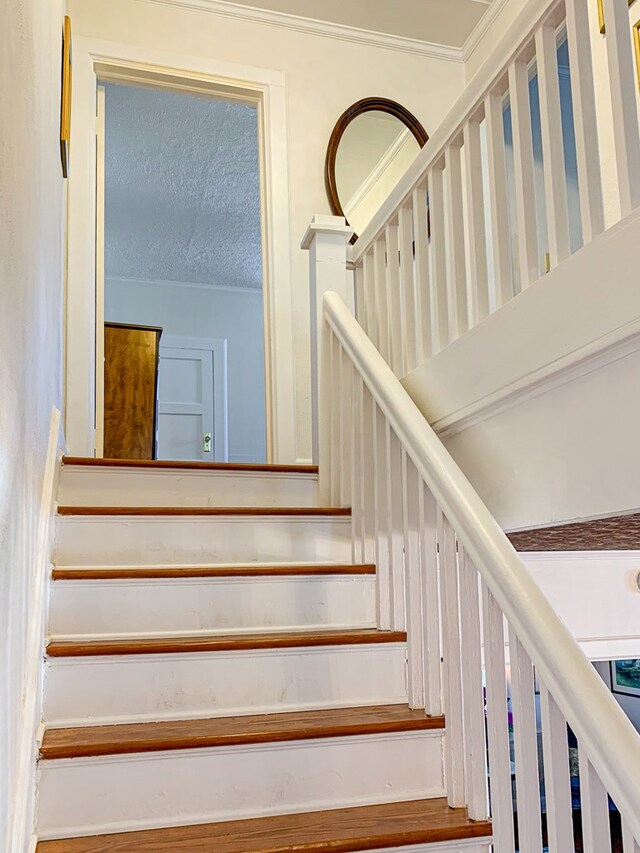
(21, 838)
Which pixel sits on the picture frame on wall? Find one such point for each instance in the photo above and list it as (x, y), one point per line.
(625, 677)
(601, 23)
(65, 113)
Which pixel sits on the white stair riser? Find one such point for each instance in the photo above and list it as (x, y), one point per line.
(93, 795)
(130, 607)
(181, 686)
(86, 486)
(188, 540)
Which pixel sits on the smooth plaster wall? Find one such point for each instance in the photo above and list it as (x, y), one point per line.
(208, 312)
(323, 77)
(31, 231)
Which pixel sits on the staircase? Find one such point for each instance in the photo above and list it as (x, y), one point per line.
(215, 680)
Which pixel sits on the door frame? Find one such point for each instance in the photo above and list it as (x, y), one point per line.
(217, 346)
(98, 61)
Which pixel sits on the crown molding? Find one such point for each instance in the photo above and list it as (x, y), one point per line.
(312, 26)
(485, 24)
(198, 285)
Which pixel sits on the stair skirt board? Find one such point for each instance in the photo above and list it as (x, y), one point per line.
(184, 540)
(171, 606)
(85, 796)
(88, 690)
(105, 486)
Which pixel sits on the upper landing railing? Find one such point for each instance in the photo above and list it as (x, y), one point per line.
(505, 189)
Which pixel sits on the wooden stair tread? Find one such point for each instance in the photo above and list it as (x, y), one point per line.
(348, 830)
(155, 572)
(231, 467)
(231, 731)
(615, 533)
(222, 642)
(205, 510)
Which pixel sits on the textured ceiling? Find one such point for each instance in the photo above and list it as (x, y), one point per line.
(182, 188)
(447, 22)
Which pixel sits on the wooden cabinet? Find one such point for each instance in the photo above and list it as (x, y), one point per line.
(131, 356)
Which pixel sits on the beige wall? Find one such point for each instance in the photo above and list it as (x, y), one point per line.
(323, 76)
(31, 195)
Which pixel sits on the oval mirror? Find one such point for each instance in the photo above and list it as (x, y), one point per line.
(372, 145)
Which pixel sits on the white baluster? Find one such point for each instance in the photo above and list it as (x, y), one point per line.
(424, 331)
(336, 422)
(555, 181)
(382, 313)
(525, 741)
(475, 752)
(367, 466)
(411, 517)
(557, 782)
(381, 514)
(430, 602)
(594, 806)
(623, 82)
(370, 297)
(456, 267)
(346, 428)
(396, 330)
(476, 234)
(357, 472)
(454, 745)
(438, 262)
(497, 724)
(629, 844)
(498, 198)
(361, 304)
(396, 529)
(584, 119)
(524, 173)
(409, 305)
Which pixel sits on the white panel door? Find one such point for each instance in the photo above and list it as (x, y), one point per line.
(192, 400)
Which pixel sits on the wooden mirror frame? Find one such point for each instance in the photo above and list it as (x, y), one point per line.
(365, 105)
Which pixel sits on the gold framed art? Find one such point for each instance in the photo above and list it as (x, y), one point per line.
(636, 47)
(601, 23)
(65, 110)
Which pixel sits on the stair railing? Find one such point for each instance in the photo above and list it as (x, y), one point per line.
(449, 225)
(447, 574)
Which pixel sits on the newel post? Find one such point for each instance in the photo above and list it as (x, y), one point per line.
(327, 239)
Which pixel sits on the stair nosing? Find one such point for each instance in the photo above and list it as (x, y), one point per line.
(224, 642)
(214, 572)
(180, 511)
(158, 740)
(178, 465)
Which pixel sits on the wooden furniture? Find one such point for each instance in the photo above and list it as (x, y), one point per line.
(131, 356)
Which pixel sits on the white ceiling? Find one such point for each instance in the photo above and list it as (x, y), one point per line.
(447, 22)
(182, 188)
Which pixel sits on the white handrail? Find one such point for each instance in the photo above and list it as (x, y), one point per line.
(607, 737)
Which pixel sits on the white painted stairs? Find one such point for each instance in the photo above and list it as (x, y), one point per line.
(215, 679)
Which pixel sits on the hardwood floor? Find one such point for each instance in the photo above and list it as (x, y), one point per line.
(339, 831)
(232, 731)
(222, 642)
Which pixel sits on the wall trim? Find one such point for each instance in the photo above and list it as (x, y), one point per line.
(312, 26)
(595, 355)
(22, 825)
(117, 279)
(486, 22)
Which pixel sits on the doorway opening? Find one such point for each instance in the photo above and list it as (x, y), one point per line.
(180, 255)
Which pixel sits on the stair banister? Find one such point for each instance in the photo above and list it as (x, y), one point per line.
(485, 587)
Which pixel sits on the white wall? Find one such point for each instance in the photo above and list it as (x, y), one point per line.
(538, 404)
(323, 77)
(31, 205)
(207, 312)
